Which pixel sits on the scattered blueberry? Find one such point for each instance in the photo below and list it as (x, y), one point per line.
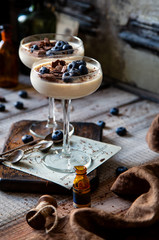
(2, 107)
(2, 99)
(121, 131)
(57, 136)
(66, 77)
(114, 111)
(27, 138)
(101, 123)
(83, 69)
(34, 47)
(120, 170)
(18, 105)
(23, 94)
(44, 70)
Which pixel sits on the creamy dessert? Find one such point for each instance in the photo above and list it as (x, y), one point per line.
(32, 51)
(66, 79)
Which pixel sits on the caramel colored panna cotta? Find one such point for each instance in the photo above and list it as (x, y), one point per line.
(66, 79)
(35, 50)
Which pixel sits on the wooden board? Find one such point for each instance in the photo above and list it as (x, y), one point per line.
(14, 180)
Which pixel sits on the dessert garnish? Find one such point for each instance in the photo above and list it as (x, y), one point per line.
(101, 123)
(121, 131)
(75, 68)
(44, 70)
(120, 170)
(50, 48)
(23, 94)
(60, 46)
(2, 107)
(18, 105)
(114, 111)
(57, 136)
(27, 138)
(60, 71)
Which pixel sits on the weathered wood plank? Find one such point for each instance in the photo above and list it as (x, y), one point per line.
(135, 114)
(33, 101)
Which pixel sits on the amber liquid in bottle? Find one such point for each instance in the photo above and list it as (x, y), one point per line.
(81, 188)
(8, 59)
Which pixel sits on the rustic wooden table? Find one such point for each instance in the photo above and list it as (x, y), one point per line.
(135, 113)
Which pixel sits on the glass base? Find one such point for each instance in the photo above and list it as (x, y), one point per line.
(41, 130)
(56, 160)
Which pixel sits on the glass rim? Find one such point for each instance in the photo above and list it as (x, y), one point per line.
(98, 66)
(53, 34)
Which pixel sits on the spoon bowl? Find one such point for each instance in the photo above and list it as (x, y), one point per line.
(13, 157)
(17, 155)
(45, 146)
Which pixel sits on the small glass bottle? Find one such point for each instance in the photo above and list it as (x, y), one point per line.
(81, 188)
(8, 58)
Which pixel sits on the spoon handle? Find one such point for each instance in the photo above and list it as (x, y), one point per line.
(21, 146)
(2, 160)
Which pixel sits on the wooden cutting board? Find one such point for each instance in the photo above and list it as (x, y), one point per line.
(17, 181)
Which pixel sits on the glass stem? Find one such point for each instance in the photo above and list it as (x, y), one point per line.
(66, 121)
(51, 121)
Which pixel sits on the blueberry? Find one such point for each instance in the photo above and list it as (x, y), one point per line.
(49, 53)
(121, 131)
(2, 99)
(81, 62)
(68, 47)
(83, 69)
(66, 77)
(23, 94)
(60, 44)
(44, 70)
(120, 170)
(27, 138)
(57, 136)
(2, 107)
(34, 47)
(74, 72)
(114, 111)
(56, 49)
(72, 65)
(18, 105)
(101, 123)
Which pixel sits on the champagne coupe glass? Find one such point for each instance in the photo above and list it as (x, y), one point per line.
(64, 158)
(35, 47)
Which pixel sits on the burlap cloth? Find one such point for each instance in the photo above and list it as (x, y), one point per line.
(140, 184)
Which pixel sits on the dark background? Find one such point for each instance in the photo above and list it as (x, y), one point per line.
(84, 11)
(88, 13)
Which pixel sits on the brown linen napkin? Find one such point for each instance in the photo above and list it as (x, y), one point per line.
(89, 223)
(152, 136)
(142, 182)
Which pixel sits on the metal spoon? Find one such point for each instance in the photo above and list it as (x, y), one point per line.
(17, 155)
(42, 146)
(13, 157)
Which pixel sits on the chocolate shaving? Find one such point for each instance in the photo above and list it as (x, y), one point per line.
(46, 41)
(40, 53)
(48, 77)
(58, 62)
(43, 46)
